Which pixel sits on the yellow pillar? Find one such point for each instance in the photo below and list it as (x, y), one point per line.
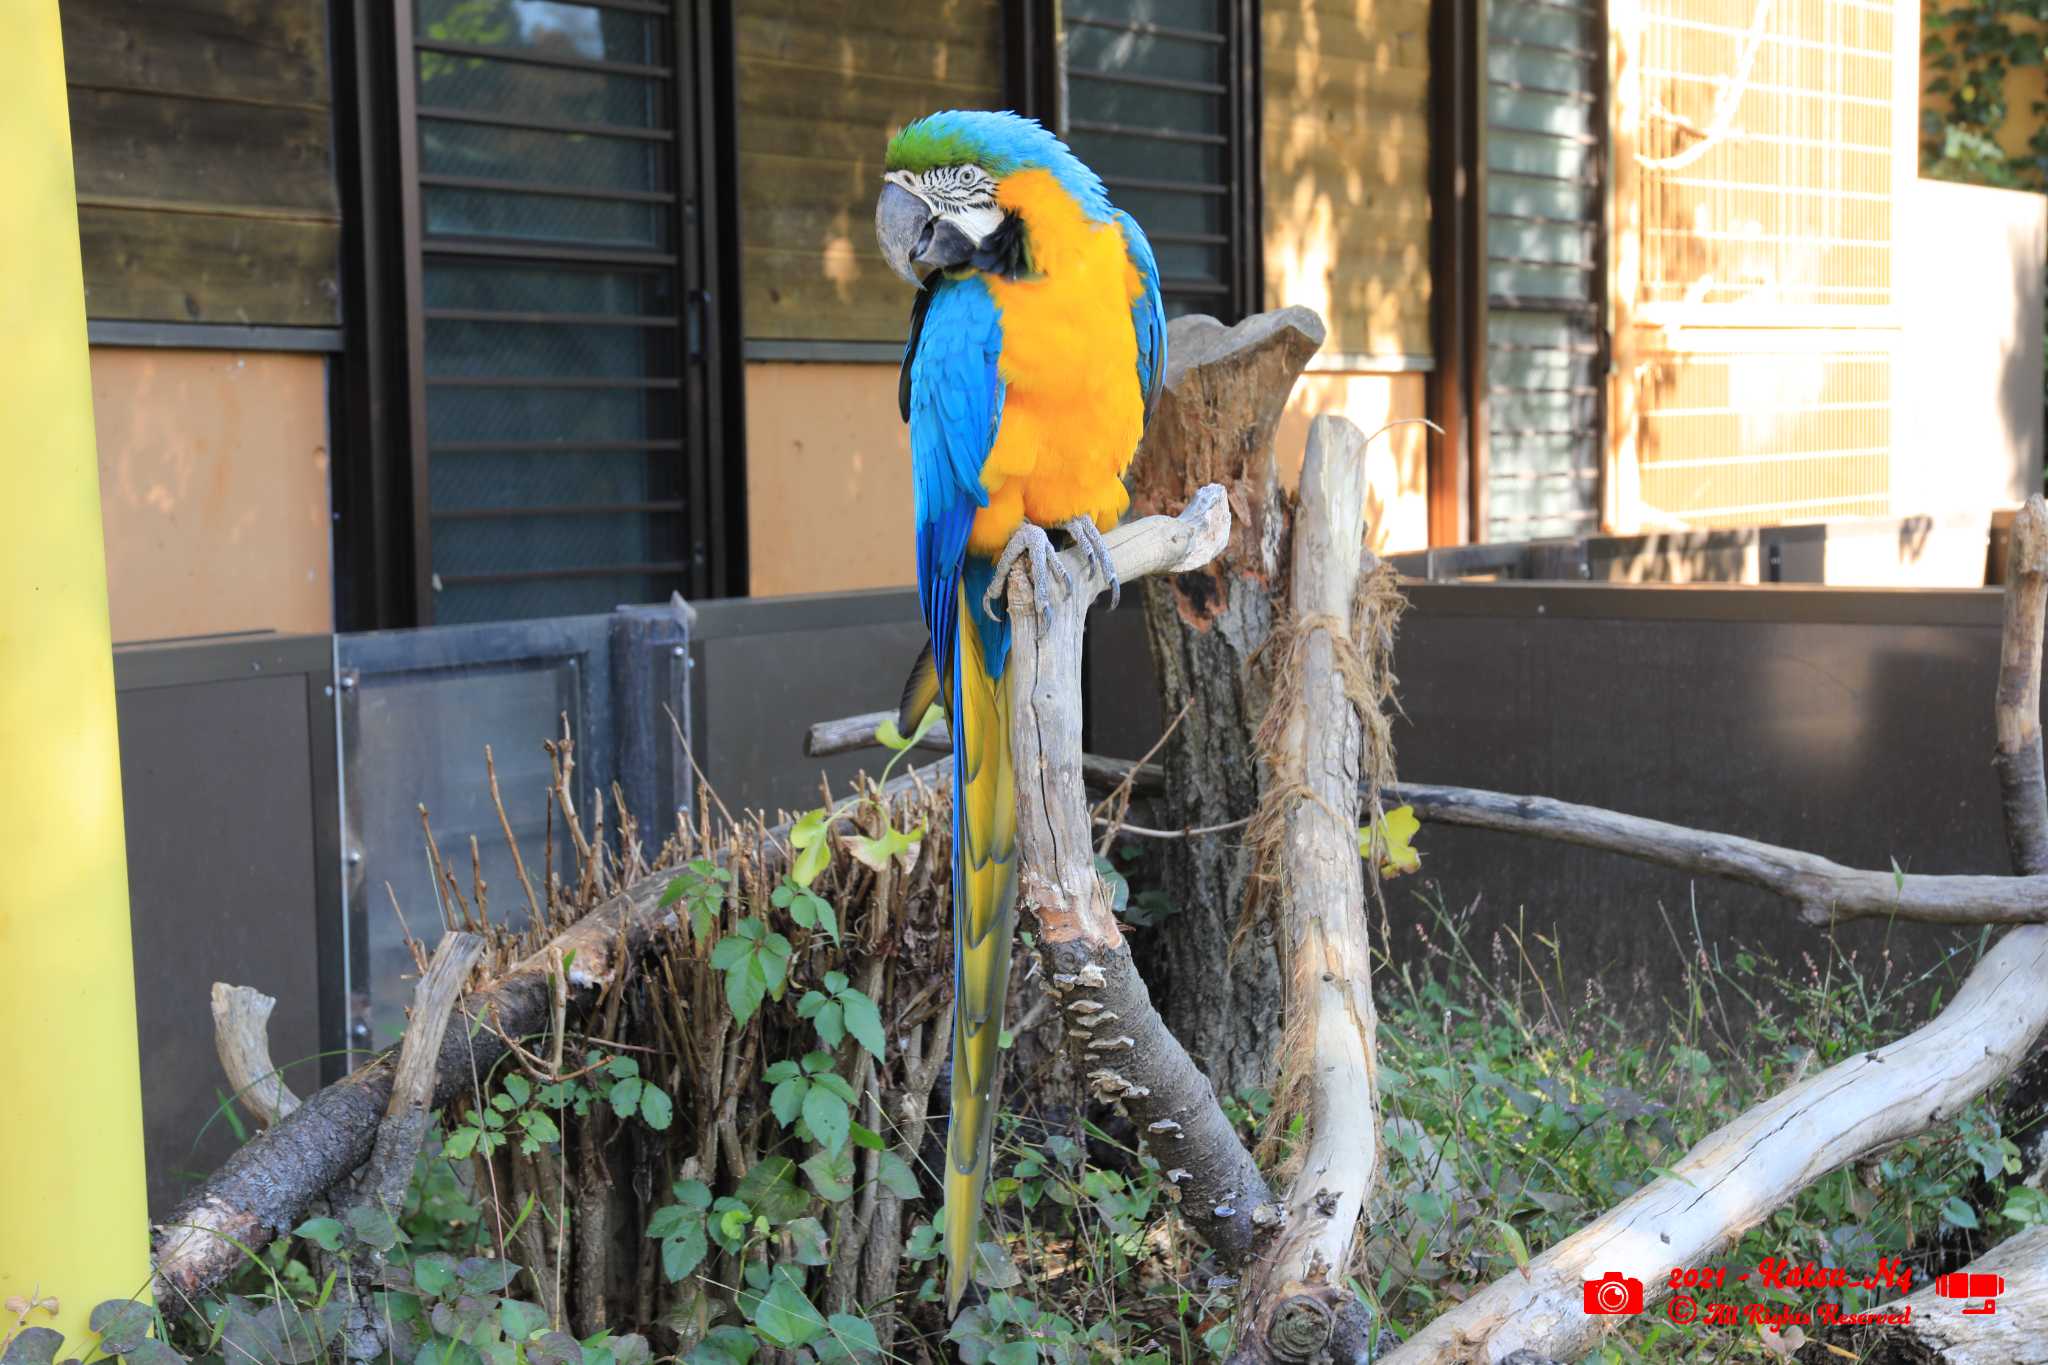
(73, 1216)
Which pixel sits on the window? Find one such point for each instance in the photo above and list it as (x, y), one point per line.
(1161, 99)
(562, 457)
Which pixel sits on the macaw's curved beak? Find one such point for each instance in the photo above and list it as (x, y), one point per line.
(914, 243)
(902, 225)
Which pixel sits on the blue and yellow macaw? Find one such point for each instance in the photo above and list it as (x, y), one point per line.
(1037, 346)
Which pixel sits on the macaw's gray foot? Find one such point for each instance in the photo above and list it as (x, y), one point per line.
(1032, 544)
(1082, 529)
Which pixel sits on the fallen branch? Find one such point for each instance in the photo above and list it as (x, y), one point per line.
(854, 733)
(1296, 1295)
(265, 1188)
(2017, 711)
(1825, 892)
(1114, 1035)
(1937, 1332)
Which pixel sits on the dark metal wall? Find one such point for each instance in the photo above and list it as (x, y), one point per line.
(1852, 723)
(228, 781)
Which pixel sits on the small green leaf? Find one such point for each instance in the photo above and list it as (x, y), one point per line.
(785, 1070)
(731, 951)
(847, 1338)
(744, 989)
(671, 1219)
(1956, 1213)
(808, 1242)
(540, 1126)
(33, 1346)
(897, 1176)
(519, 1088)
(787, 1317)
(867, 1137)
(810, 862)
(373, 1227)
(520, 1319)
(835, 982)
(121, 1323)
(657, 1111)
(625, 1096)
(692, 1194)
(787, 1100)
(433, 1273)
(1517, 1248)
(770, 1189)
(828, 1117)
(831, 1024)
(325, 1233)
(150, 1351)
(864, 1022)
(683, 1252)
(831, 1175)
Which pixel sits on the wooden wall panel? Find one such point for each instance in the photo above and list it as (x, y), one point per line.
(203, 145)
(1346, 168)
(821, 88)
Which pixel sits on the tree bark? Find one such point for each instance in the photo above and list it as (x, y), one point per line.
(1224, 393)
(2016, 758)
(1295, 1294)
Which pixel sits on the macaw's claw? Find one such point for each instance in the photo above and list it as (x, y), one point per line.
(1031, 543)
(1085, 534)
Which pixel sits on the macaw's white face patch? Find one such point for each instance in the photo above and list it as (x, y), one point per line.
(964, 196)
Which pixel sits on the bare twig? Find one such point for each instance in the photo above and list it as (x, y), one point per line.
(241, 1022)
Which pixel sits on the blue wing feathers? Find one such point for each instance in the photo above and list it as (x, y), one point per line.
(1148, 313)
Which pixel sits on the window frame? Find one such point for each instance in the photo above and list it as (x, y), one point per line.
(383, 534)
(1035, 68)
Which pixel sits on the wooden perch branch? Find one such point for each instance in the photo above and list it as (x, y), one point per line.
(1295, 1295)
(265, 1188)
(1823, 891)
(1115, 1036)
(851, 734)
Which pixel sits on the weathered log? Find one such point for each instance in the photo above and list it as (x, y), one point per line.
(265, 1188)
(2016, 759)
(1824, 892)
(241, 1035)
(1224, 392)
(1938, 1332)
(1295, 1294)
(1113, 1033)
(851, 734)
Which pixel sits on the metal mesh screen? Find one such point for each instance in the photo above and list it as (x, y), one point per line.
(1767, 148)
(1767, 161)
(1767, 436)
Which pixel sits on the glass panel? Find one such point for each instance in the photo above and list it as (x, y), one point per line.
(1185, 261)
(550, 289)
(1151, 158)
(546, 218)
(543, 26)
(524, 478)
(517, 544)
(1167, 211)
(543, 94)
(573, 159)
(513, 414)
(1105, 102)
(1198, 14)
(1143, 54)
(518, 348)
(466, 602)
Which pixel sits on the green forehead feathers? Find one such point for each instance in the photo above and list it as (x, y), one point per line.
(933, 142)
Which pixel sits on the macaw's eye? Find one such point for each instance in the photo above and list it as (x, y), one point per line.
(924, 239)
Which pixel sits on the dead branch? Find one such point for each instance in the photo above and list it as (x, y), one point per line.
(241, 1035)
(1114, 1035)
(265, 1188)
(1824, 892)
(1307, 830)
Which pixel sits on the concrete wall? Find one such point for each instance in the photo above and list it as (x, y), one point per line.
(213, 491)
(1970, 400)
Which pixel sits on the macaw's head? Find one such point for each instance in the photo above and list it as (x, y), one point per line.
(939, 209)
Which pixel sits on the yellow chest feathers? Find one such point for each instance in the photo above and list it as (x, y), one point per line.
(1072, 410)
